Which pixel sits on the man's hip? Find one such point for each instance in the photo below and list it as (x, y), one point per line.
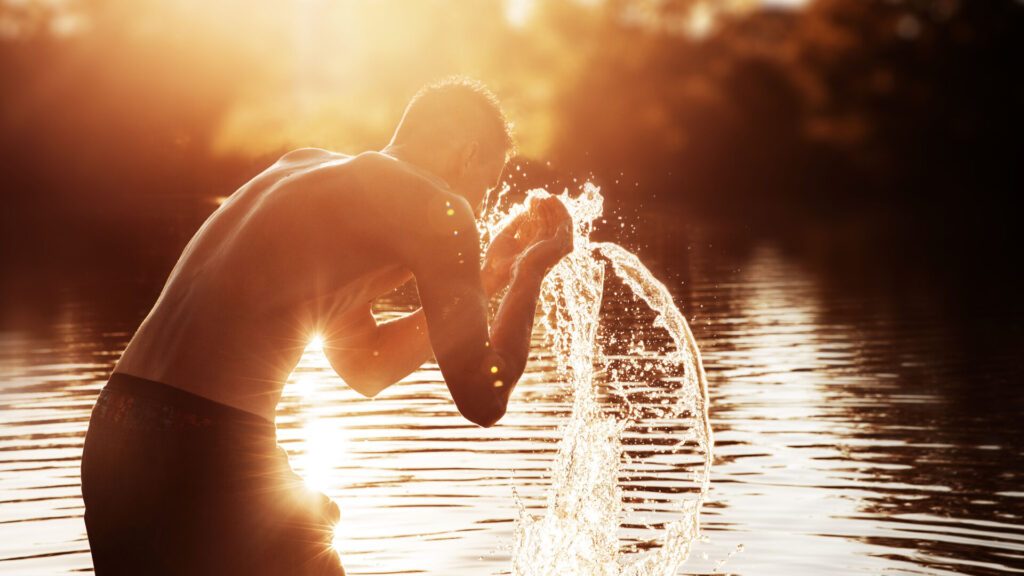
(178, 484)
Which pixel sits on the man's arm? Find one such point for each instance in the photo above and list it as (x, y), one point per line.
(370, 357)
(480, 366)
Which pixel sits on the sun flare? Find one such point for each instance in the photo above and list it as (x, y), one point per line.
(316, 344)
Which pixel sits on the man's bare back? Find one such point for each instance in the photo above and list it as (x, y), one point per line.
(310, 240)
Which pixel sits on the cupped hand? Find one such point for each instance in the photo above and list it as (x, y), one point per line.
(544, 216)
(544, 254)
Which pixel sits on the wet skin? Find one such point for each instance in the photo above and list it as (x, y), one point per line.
(305, 247)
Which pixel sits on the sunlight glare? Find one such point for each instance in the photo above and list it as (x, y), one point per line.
(700, 22)
(517, 12)
(305, 386)
(316, 344)
(326, 445)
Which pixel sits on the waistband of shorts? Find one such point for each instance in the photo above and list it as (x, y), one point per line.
(179, 402)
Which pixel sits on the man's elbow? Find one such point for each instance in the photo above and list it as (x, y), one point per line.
(485, 417)
(368, 391)
(367, 385)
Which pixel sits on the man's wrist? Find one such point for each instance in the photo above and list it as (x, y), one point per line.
(525, 271)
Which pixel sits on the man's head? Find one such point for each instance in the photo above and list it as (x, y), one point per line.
(456, 129)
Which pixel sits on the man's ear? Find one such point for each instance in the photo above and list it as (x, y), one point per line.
(470, 154)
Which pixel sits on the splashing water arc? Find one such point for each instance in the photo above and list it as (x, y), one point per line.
(578, 533)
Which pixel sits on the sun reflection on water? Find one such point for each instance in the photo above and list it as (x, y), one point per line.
(319, 445)
(325, 443)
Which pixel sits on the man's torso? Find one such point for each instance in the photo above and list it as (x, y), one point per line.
(315, 236)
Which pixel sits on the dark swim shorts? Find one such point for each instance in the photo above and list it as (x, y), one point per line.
(176, 484)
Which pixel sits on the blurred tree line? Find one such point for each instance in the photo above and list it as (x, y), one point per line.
(880, 137)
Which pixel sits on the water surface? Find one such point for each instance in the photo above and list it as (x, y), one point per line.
(850, 438)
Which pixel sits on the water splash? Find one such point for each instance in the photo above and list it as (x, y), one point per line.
(578, 533)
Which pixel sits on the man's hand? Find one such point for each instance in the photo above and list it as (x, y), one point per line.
(544, 216)
(543, 255)
(547, 215)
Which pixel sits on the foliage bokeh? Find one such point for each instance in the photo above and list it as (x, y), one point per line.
(872, 135)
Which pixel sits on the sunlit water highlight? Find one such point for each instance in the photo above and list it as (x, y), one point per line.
(849, 436)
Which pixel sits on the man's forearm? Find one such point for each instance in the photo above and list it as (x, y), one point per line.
(403, 344)
(513, 326)
(402, 347)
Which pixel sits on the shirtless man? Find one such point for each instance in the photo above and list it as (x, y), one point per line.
(181, 473)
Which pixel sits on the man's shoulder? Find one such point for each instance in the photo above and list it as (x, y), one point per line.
(393, 170)
(376, 172)
(395, 195)
(306, 154)
(403, 186)
(425, 215)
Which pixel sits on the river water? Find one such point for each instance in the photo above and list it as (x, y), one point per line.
(850, 438)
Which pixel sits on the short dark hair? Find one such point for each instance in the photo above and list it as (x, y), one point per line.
(458, 100)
